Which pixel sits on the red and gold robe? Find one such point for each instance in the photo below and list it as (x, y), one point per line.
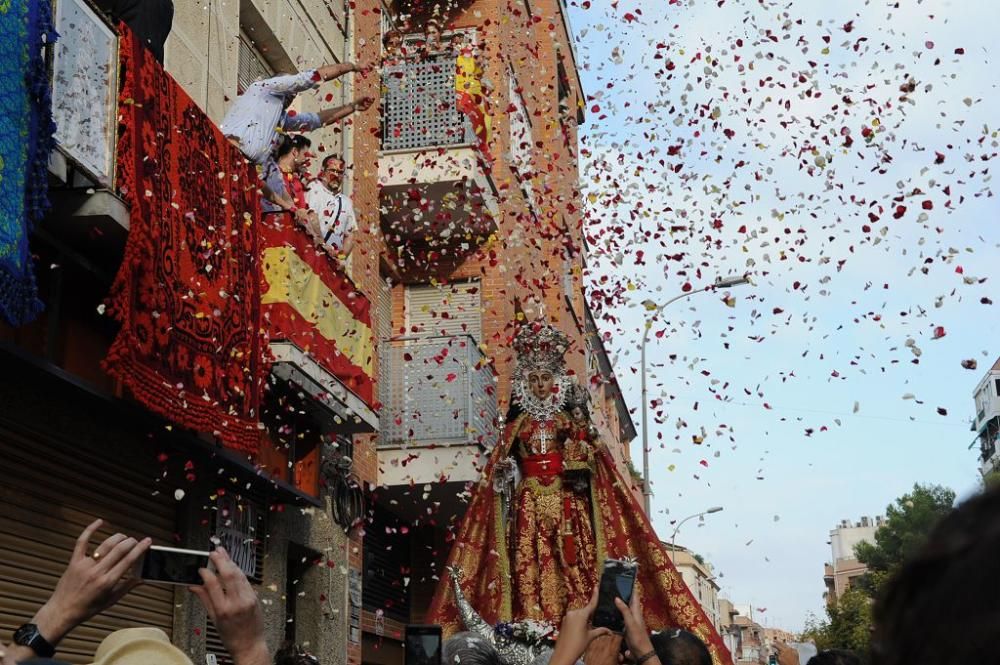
(523, 571)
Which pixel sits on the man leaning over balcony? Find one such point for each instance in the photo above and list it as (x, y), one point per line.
(256, 118)
(327, 199)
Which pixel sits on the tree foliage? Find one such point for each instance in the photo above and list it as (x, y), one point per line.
(847, 624)
(907, 524)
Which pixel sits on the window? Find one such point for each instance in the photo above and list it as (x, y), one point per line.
(448, 309)
(996, 386)
(252, 67)
(982, 400)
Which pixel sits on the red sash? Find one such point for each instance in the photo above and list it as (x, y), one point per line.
(542, 466)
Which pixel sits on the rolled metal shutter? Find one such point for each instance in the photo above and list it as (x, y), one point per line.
(448, 309)
(50, 491)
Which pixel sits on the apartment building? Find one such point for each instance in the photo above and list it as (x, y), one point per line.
(844, 570)
(475, 233)
(701, 581)
(462, 234)
(986, 423)
(80, 444)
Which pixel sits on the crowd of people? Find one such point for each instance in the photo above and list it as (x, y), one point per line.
(939, 609)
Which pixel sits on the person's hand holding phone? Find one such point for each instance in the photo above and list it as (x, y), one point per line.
(576, 634)
(636, 634)
(91, 583)
(232, 605)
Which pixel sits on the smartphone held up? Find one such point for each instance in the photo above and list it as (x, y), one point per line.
(422, 645)
(617, 581)
(170, 565)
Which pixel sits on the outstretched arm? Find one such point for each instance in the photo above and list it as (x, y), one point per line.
(328, 72)
(330, 116)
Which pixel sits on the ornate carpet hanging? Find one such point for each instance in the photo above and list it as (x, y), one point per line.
(187, 294)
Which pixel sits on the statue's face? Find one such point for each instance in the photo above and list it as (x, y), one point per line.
(577, 414)
(540, 383)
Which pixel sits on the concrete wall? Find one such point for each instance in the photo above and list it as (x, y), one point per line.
(202, 52)
(843, 540)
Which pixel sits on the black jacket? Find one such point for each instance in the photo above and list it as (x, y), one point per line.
(150, 20)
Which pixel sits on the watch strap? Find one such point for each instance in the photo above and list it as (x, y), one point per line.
(29, 636)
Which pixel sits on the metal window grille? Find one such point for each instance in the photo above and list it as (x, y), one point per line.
(252, 66)
(419, 105)
(449, 309)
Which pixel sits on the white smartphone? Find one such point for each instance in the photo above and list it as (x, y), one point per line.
(169, 565)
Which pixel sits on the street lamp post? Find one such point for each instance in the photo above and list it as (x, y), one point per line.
(673, 537)
(724, 283)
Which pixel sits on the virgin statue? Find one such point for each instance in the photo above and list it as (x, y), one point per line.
(550, 507)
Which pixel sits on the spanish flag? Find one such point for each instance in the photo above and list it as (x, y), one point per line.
(470, 99)
(310, 301)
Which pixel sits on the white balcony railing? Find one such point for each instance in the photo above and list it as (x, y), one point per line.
(84, 89)
(420, 105)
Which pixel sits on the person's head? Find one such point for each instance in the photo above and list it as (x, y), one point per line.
(467, 648)
(540, 383)
(674, 646)
(940, 608)
(459, 40)
(432, 34)
(293, 149)
(835, 657)
(332, 172)
(293, 654)
(138, 646)
(392, 41)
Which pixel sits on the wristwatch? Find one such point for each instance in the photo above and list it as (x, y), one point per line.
(28, 636)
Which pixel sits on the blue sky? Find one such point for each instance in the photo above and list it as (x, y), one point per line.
(810, 407)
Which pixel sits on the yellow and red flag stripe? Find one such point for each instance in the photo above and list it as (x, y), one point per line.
(308, 300)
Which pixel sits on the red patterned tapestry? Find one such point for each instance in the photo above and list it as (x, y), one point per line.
(308, 300)
(187, 293)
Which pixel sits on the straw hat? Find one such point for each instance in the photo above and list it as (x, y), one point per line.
(139, 646)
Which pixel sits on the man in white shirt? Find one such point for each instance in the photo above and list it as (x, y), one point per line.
(256, 118)
(336, 214)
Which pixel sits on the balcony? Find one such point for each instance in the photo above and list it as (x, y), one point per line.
(439, 410)
(319, 328)
(436, 187)
(84, 108)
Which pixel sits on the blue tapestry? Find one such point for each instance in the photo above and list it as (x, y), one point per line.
(26, 130)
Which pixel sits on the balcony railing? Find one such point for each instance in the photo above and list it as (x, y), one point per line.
(84, 89)
(420, 107)
(436, 390)
(310, 302)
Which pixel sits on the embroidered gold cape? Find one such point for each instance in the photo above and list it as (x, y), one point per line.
(621, 530)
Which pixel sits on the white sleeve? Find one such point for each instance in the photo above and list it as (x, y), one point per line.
(290, 83)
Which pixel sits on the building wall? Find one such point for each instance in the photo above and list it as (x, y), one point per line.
(698, 579)
(538, 238)
(844, 539)
(202, 52)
